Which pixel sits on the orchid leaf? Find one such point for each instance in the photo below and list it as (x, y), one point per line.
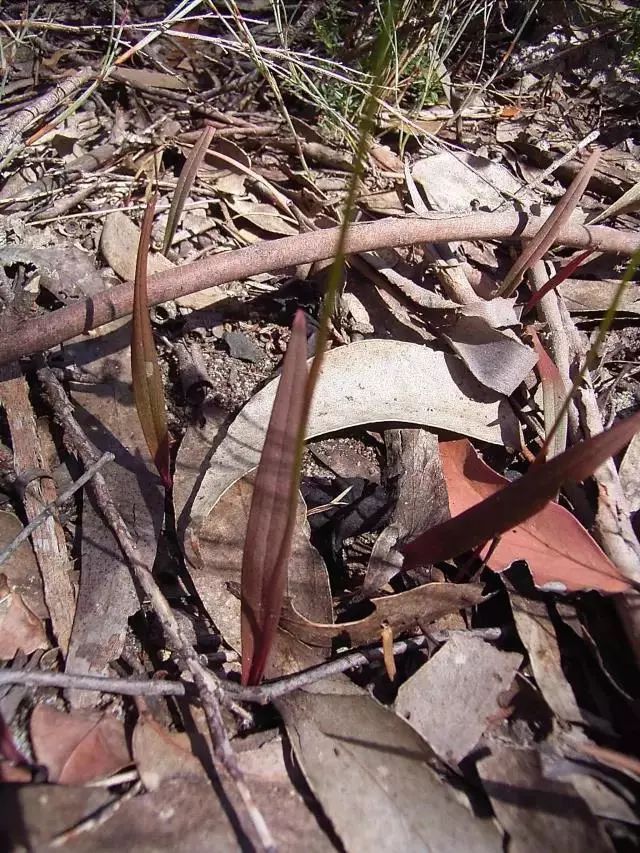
(148, 391)
(563, 273)
(544, 239)
(553, 396)
(520, 500)
(185, 182)
(270, 526)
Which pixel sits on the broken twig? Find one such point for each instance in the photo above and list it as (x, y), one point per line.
(52, 507)
(206, 684)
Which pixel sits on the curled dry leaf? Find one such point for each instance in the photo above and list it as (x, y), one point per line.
(366, 382)
(80, 747)
(560, 553)
(403, 611)
(148, 390)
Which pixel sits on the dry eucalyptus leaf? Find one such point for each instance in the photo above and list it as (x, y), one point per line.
(410, 609)
(67, 273)
(583, 296)
(450, 699)
(119, 247)
(461, 180)
(263, 216)
(535, 629)
(215, 549)
(79, 747)
(497, 358)
(375, 778)
(366, 382)
(538, 814)
(21, 568)
(268, 775)
(20, 628)
(161, 755)
(107, 596)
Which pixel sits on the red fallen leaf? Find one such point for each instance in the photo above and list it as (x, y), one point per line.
(79, 747)
(553, 542)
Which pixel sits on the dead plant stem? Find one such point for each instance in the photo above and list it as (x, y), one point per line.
(207, 686)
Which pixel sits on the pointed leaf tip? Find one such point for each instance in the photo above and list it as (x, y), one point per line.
(272, 515)
(148, 390)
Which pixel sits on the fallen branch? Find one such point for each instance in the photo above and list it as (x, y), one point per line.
(261, 695)
(41, 106)
(206, 684)
(50, 509)
(54, 328)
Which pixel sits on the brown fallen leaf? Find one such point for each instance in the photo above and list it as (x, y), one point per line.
(80, 747)
(537, 632)
(106, 412)
(20, 628)
(376, 779)
(403, 611)
(161, 755)
(538, 813)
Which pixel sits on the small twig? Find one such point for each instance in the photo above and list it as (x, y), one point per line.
(42, 105)
(269, 691)
(208, 687)
(76, 681)
(52, 507)
(261, 695)
(54, 328)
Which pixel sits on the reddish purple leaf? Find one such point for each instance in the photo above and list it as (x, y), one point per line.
(272, 515)
(518, 501)
(563, 273)
(542, 242)
(148, 391)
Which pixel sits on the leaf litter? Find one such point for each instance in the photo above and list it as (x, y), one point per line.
(500, 716)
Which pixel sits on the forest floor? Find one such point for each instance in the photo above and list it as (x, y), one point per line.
(484, 699)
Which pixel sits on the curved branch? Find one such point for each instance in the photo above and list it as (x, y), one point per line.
(271, 255)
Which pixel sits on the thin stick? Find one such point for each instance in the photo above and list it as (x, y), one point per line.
(208, 687)
(269, 691)
(52, 507)
(271, 255)
(70, 680)
(42, 105)
(261, 695)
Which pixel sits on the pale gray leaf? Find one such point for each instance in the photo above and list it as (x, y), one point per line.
(450, 699)
(375, 778)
